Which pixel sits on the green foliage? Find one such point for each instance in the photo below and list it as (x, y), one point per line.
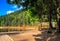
(17, 19)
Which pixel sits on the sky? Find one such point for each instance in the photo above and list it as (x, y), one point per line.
(6, 8)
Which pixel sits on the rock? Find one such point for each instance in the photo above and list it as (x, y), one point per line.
(5, 38)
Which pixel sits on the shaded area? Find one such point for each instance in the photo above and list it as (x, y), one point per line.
(54, 36)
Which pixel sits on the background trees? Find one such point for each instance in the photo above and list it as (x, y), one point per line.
(36, 9)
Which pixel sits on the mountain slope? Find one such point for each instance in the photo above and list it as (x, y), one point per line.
(18, 18)
(14, 19)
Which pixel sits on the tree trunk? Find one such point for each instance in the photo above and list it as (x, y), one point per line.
(59, 25)
(58, 15)
(50, 21)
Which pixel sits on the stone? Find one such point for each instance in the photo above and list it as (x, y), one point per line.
(5, 38)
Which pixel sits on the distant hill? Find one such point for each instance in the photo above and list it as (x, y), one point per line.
(18, 18)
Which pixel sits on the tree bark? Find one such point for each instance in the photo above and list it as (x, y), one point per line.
(59, 25)
(50, 20)
(58, 15)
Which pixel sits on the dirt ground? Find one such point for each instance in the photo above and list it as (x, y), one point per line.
(26, 36)
(32, 35)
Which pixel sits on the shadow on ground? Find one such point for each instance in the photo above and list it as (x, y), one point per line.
(44, 36)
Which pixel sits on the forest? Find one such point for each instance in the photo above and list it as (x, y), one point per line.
(34, 11)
